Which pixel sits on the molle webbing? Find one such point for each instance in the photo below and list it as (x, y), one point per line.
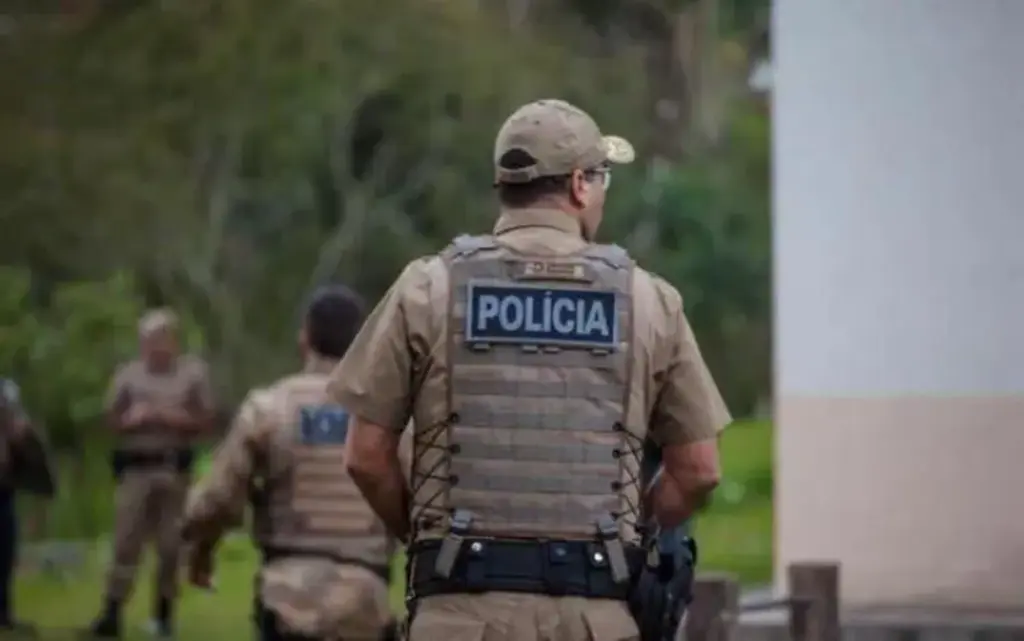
(535, 439)
(312, 503)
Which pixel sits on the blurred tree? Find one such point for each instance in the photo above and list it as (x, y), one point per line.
(232, 156)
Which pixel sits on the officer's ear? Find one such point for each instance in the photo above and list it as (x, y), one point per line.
(580, 189)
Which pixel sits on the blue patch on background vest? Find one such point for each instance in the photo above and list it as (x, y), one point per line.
(529, 315)
(323, 425)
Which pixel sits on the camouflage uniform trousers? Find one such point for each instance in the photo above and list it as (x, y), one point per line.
(507, 616)
(148, 506)
(311, 598)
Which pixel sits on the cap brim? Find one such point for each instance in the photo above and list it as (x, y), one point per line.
(618, 150)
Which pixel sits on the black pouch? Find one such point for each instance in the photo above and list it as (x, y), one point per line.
(118, 463)
(183, 460)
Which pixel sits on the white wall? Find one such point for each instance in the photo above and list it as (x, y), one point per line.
(899, 284)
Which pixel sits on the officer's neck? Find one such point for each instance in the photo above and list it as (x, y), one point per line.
(160, 365)
(318, 363)
(549, 215)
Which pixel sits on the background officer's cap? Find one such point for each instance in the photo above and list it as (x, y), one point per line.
(560, 138)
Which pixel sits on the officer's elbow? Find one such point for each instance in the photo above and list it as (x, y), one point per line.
(366, 468)
(671, 503)
(691, 474)
(360, 472)
(370, 452)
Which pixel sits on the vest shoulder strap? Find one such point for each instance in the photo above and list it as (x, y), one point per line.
(466, 245)
(613, 255)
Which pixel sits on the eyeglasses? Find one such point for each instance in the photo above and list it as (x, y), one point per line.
(606, 175)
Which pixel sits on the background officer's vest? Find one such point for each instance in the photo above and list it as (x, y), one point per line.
(539, 384)
(311, 503)
(176, 388)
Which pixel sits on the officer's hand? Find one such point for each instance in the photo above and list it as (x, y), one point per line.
(173, 415)
(200, 568)
(138, 414)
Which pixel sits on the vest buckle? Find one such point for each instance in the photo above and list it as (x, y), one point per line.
(608, 534)
(451, 545)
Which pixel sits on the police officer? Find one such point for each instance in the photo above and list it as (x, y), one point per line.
(325, 554)
(157, 406)
(24, 464)
(534, 363)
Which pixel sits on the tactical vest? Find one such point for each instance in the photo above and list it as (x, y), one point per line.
(310, 503)
(536, 443)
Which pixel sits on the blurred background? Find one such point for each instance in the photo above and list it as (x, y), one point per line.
(226, 158)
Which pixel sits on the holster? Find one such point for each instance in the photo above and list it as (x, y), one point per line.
(663, 588)
(662, 592)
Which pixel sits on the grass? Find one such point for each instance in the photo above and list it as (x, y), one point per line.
(735, 534)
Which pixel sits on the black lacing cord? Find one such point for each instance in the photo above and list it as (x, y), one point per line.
(428, 441)
(633, 447)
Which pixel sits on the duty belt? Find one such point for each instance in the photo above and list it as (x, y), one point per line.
(274, 552)
(554, 568)
(180, 459)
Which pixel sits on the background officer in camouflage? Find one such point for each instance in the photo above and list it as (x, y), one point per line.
(534, 364)
(158, 406)
(24, 465)
(325, 554)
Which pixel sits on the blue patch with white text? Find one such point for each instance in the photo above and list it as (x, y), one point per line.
(530, 315)
(323, 425)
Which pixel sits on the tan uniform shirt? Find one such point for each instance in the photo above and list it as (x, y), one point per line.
(187, 384)
(397, 361)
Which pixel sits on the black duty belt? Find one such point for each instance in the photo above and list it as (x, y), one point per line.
(555, 568)
(274, 552)
(179, 458)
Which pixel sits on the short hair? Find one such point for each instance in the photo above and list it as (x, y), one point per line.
(155, 320)
(333, 318)
(522, 195)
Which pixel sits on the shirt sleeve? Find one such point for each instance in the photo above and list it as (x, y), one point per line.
(218, 501)
(117, 397)
(375, 380)
(688, 406)
(202, 390)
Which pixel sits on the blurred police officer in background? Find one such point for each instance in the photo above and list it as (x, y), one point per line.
(24, 465)
(325, 553)
(535, 364)
(158, 405)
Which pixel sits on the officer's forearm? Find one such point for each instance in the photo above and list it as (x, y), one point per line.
(204, 530)
(672, 502)
(185, 420)
(384, 489)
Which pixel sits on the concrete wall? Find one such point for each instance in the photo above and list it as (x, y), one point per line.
(899, 249)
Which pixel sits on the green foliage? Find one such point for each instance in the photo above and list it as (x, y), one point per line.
(705, 227)
(62, 346)
(227, 158)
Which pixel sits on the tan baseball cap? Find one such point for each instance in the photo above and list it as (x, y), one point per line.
(560, 138)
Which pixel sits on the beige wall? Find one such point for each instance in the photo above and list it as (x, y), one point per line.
(899, 288)
(922, 499)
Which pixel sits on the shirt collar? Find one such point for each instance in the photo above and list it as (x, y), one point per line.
(317, 364)
(512, 219)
